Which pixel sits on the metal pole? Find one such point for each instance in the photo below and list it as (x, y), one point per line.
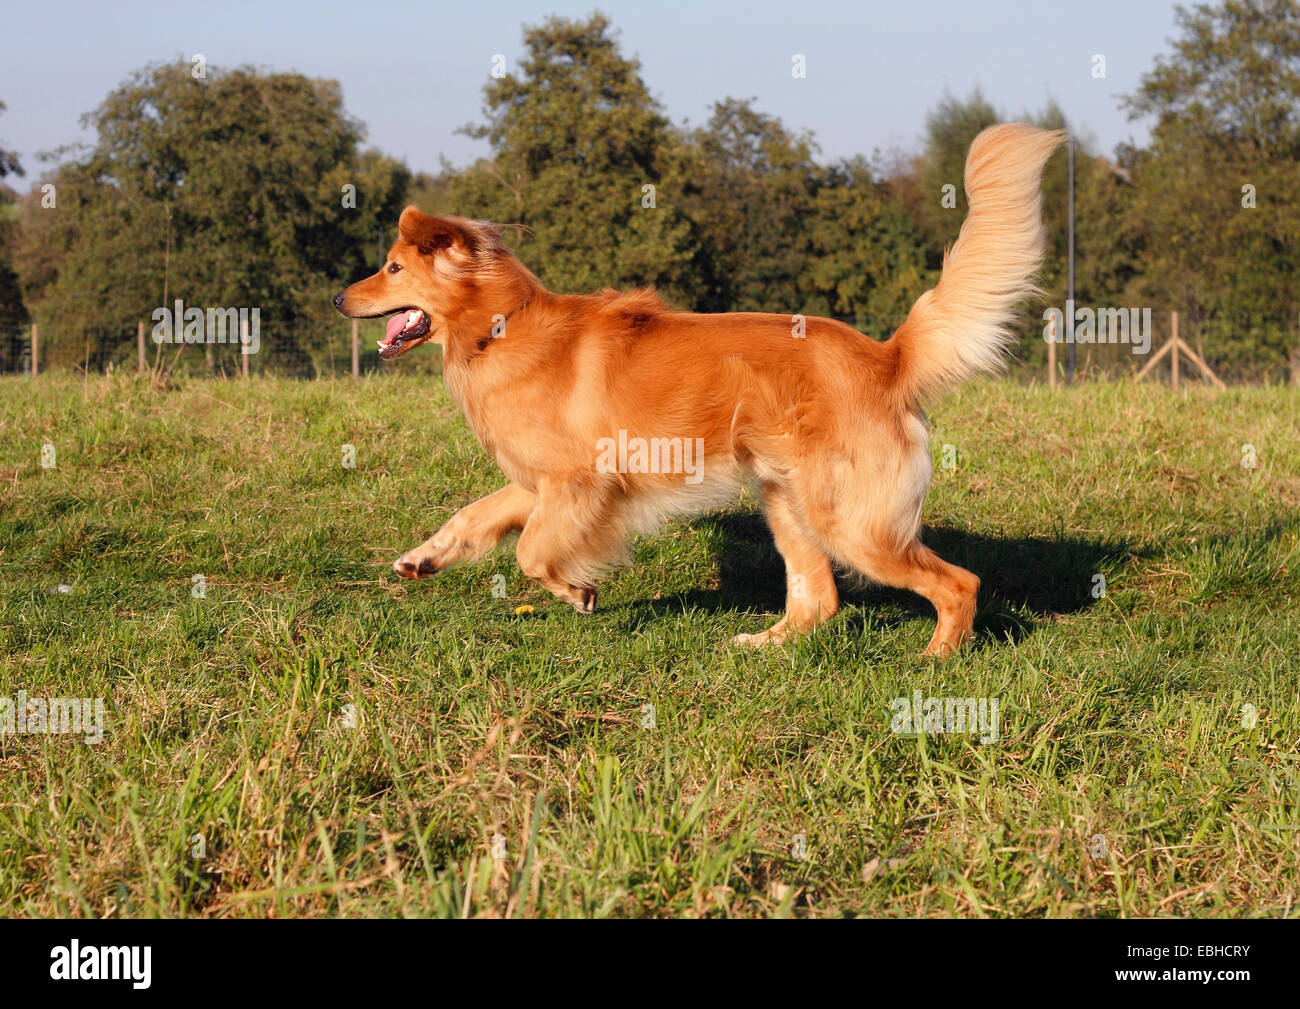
(1069, 362)
(356, 349)
(1051, 356)
(139, 346)
(36, 368)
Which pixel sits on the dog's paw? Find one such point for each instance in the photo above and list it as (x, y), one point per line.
(774, 635)
(761, 640)
(943, 648)
(413, 566)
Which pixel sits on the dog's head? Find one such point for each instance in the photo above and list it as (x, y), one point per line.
(424, 280)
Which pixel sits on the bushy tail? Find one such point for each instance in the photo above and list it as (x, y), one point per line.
(961, 326)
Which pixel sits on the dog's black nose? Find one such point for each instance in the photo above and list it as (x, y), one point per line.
(338, 300)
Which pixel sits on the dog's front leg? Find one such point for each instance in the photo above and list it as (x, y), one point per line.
(470, 533)
(572, 534)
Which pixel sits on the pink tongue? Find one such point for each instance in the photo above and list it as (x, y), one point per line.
(395, 325)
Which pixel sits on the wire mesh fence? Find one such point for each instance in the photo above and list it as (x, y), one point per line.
(1255, 348)
(332, 352)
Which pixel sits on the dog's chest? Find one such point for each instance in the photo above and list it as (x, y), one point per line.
(509, 425)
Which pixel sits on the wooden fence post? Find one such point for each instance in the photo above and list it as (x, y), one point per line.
(139, 345)
(1295, 359)
(1173, 361)
(356, 348)
(1175, 346)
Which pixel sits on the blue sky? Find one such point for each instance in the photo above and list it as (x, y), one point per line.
(413, 71)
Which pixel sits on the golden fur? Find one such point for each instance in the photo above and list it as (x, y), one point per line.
(826, 422)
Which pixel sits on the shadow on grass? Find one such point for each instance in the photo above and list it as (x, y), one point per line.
(1024, 580)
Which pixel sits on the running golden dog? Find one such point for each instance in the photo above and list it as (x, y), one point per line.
(608, 412)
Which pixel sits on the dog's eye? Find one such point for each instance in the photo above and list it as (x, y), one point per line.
(394, 267)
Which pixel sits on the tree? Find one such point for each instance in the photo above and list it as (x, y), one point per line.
(949, 130)
(868, 259)
(585, 162)
(756, 188)
(9, 164)
(12, 311)
(1218, 189)
(223, 190)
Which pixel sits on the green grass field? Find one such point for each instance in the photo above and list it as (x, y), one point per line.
(314, 737)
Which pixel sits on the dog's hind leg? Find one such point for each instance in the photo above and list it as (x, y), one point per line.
(950, 589)
(810, 594)
(572, 535)
(470, 533)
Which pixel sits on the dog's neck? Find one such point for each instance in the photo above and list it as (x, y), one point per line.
(481, 321)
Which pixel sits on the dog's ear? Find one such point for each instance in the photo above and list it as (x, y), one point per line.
(429, 234)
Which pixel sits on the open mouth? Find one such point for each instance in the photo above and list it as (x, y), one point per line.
(406, 326)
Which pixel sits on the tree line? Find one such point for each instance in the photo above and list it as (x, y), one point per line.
(249, 188)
